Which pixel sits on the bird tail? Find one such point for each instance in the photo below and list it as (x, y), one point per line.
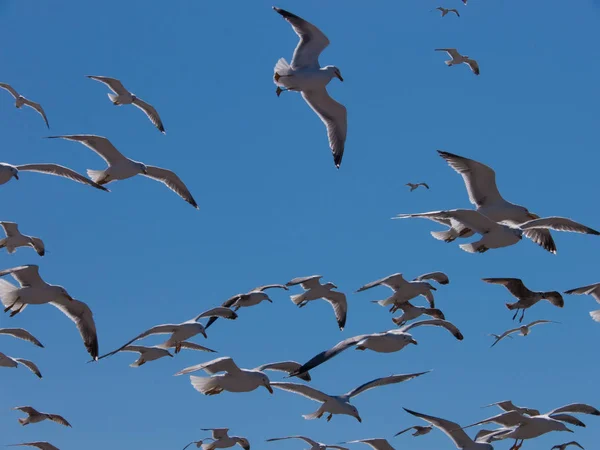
(137, 363)
(3, 242)
(448, 63)
(282, 67)
(512, 306)
(23, 421)
(297, 299)
(380, 302)
(316, 415)
(447, 236)
(595, 315)
(96, 176)
(205, 385)
(8, 294)
(113, 98)
(470, 248)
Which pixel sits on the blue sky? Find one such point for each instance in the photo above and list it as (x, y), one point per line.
(273, 207)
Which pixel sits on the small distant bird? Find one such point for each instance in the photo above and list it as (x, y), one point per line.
(413, 186)
(124, 97)
(15, 239)
(446, 11)
(34, 416)
(221, 439)
(419, 430)
(7, 361)
(314, 290)
(524, 329)
(314, 445)
(20, 333)
(526, 297)
(412, 312)
(40, 445)
(20, 101)
(8, 171)
(507, 405)
(374, 443)
(594, 291)
(464, 1)
(564, 446)
(457, 58)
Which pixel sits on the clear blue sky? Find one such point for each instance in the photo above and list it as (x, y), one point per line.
(273, 207)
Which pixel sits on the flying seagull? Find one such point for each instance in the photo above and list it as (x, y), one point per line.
(306, 75)
(524, 329)
(153, 353)
(507, 405)
(314, 445)
(121, 167)
(413, 186)
(197, 443)
(20, 101)
(419, 430)
(411, 312)
(594, 291)
(34, 416)
(14, 239)
(314, 290)
(20, 333)
(526, 297)
(457, 58)
(7, 361)
(565, 445)
(340, 404)
(374, 443)
(221, 439)
(445, 11)
(40, 445)
(8, 171)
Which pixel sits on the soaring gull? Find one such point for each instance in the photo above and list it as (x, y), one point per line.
(508, 405)
(221, 439)
(20, 101)
(34, 416)
(594, 291)
(14, 239)
(153, 353)
(314, 445)
(8, 171)
(413, 186)
(524, 329)
(411, 312)
(566, 444)
(445, 11)
(457, 58)
(41, 445)
(7, 361)
(419, 430)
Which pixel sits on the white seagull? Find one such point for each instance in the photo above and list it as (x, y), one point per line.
(508, 405)
(314, 445)
(306, 75)
(7, 361)
(20, 333)
(419, 430)
(121, 167)
(8, 172)
(498, 235)
(197, 443)
(340, 404)
(314, 290)
(413, 186)
(411, 312)
(20, 101)
(565, 445)
(221, 439)
(34, 416)
(155, 352)
(445, 11)
(457, 58)
(374, 443)
(40, 445)
(35, 291)
(594, 291)
(524, 329)
(124, 97)
(15, 239)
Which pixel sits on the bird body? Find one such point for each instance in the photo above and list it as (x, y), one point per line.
(411, 312)
(314, 290)
(314, 445)
(457, 58)
(34, 416)
(221, 439)
(21, 101)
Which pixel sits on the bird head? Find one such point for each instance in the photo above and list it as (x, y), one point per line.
(330, 286)
(15, 172)
(143, 168)
(354, 413)
(266, 382)
(334, 72)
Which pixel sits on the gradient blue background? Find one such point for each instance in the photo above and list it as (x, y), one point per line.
(273, 207)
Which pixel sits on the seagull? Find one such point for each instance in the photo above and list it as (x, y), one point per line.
(374, 443)
(314, 445)
(412, 312)
(564, 446)
(20, 333)
(121, 167)
(457, 58)
(414, 186)
(40, 445)
(507, 405)
(20, 101)
(8, 171)
(153, 353)
(15, 239)
(386, 342)
(7, 361)
(526, 297)
(314, 290)
(306, 75)
(594, 291)
(446, 11)
(35, 291)
(236, 379)
(498, 235)
(340, 404)
(223, 440)
(524, 329)
(454, 432)
(419, 430)
(34, 416)
(407, 290)
(252, 298)
(124, 97)
(180, 332)
(198, 443)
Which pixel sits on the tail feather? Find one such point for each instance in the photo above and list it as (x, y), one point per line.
(112, 97)
(446, 236)
(8, 293)
(3, 242)
(23, 421)
(595, 315)
(512, 306)
(470, 248)
(316, 415)
(282, 67)
(448, 63)
(205, 384)
(97, 176)
(297, 299)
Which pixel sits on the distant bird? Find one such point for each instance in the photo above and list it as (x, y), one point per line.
(386, 342)
(148, 354)
(407, 290)
(124, 97)
(526, 297)
(35, 291)
(465, 2)
(121, 167)
(20, 101)
(14, 239)
(20, 333)
(40, 445)
(306, 75)
(374, 443)
(446, 11)
(180, 332)
(252, 298)
(340, 404)
(507, 405)
(564, 446)
(498, 235)
(8, 171)
(412, 312)
(34, 416)
(197, 443)
(524, 330)
(419, 430)
(453, 431)
(457, 58)
(594, 291)
(7, 361)
(221, 439)
(414, 186)
(314, 290)
(314, 445)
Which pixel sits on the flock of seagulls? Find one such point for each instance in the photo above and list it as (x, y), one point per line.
(499, 222)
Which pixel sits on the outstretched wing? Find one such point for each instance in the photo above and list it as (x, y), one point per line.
(440, 277)
(514, 285)
(558, 224)
(436, 323)
(113, 84)
(61, 171)
(328, 354)
(450, 429)
(30, 365)
(151, 113)
(172, 181)
(82, 316)
(592, 289)
(384, 381)
(340, 306)
(20, 333)
(38, 108)
(10, 89)
(302, 389)
(292, 368)
(223, 364)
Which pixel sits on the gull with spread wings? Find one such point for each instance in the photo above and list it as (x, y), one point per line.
(445, 11)
(7, 361)
(524, 330)
(14, 239)
(566, 444)
(411, 312)
(414, 186)
(457, 58)
(20, 101)
(22, 334)
(419, 430)
(155, 352)
(221, 439)
(9, 171)
(41, 445)
(594, 291)
(314, 445)
(34, 416)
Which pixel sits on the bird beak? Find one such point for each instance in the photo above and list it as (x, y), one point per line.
(334, 286)
(269, 388)
(412, 341)
(16, 176)
(339, 76)
(570, 431)
(269, 300)
(358, 418)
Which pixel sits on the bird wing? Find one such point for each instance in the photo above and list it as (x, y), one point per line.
(480, 180)
(288, 367)
(467, 217)
(219, 311)
(58, 419)
(507, 405)
(29, 410)
(302, 389)
(20, 333)
(376, 443)
(436, 323)
(306, 282)
(503, 335)
(38, 108)
(440, 277)
(98, 144)
(395, 282)
(577, 408)
(10, 89)
(270, 286)
(568, 419)
(405, 430)
(450, 429)
(30, 365)
(27, 276)
(514, 285)
(223, 364)
(340, 306)
(150, 112)
(113, 84)
(507, 419)
(38, 245)
(425, 185)
(335, 118)
(454, 11)
(309, 441)
(384, 381)
(40, 445)
(194, 346)
(172, 181)
(473, 65)
(558, 224)
(217, 433)
(81, 314)
(158, 329)
(328, 354)
(592, 289)
(61, 171)
(312, 41)
(10, 228)
(537, 322)
(452, 52)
